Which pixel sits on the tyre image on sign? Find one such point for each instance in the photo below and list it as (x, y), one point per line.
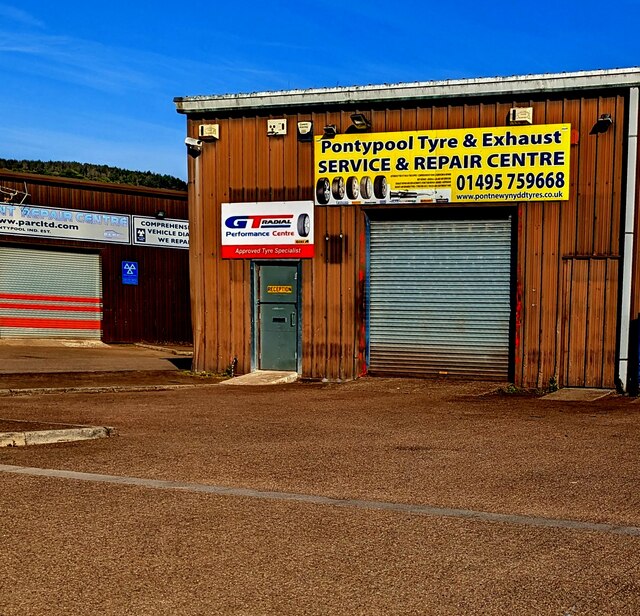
(366, 187)
(380, 187)
(337, 188)
(323, 191)
(353, 188)
(304, 225)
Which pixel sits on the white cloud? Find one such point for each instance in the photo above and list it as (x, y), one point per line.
(70, 60)
(118, 70)
(13, 14)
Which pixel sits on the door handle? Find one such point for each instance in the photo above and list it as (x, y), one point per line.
(292, 319)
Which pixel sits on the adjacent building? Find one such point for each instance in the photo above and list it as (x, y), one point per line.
(91, 260)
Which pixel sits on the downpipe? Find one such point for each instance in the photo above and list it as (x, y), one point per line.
(627, 258)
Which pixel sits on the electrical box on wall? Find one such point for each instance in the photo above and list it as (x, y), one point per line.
(209, 131)
(276, 127)
(521, 115)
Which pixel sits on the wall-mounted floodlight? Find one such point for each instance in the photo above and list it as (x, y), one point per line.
(360, 122)
(329, 131)
(161, 214)
(602, 124)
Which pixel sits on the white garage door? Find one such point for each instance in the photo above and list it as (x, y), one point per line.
(50, 294)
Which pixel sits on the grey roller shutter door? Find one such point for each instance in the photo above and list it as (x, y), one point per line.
(440, 297)
(50, 294)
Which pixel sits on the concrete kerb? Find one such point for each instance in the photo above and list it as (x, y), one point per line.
(165, 349)
(46, 437)
(52, 342)
(253, 378)
(33, 391)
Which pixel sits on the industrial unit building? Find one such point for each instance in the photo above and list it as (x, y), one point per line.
(91, 260)
(483, 228)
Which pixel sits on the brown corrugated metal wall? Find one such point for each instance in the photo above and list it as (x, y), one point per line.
(158, 308)
(567, 252)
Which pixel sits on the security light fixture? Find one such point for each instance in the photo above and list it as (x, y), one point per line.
(161, 214)
(360, 122)
(329, 131)
(603, 123)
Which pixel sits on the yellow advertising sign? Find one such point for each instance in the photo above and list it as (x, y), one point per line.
(472, 165)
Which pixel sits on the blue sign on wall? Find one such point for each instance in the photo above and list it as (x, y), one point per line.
(129, 272)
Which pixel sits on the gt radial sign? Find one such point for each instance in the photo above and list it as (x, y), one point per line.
(272, 230)
(514, 163)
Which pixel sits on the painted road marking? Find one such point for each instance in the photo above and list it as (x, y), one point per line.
(312, 499)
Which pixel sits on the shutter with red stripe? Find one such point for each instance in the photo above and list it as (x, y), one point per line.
(50, 294)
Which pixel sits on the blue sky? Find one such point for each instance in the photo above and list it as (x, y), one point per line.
(94, 82)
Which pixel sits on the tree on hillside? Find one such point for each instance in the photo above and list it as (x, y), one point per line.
(97, 173)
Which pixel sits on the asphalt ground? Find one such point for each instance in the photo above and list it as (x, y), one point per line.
(379, 496)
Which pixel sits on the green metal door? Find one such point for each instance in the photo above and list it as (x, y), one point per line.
(277, 310)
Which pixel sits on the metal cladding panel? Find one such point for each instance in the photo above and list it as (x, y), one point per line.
(50, 294)
(440, 297)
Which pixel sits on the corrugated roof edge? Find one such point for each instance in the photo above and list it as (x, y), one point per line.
(483, 86)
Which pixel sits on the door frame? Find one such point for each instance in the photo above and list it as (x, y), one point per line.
(255, 330)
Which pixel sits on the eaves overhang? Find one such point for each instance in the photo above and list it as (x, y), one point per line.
(414, 91)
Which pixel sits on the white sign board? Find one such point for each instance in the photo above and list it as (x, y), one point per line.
(160, 233)
(269, 230)
(50, 222)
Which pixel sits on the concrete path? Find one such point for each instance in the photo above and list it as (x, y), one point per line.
(263, 377)
(578, 394)
(18, 357)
